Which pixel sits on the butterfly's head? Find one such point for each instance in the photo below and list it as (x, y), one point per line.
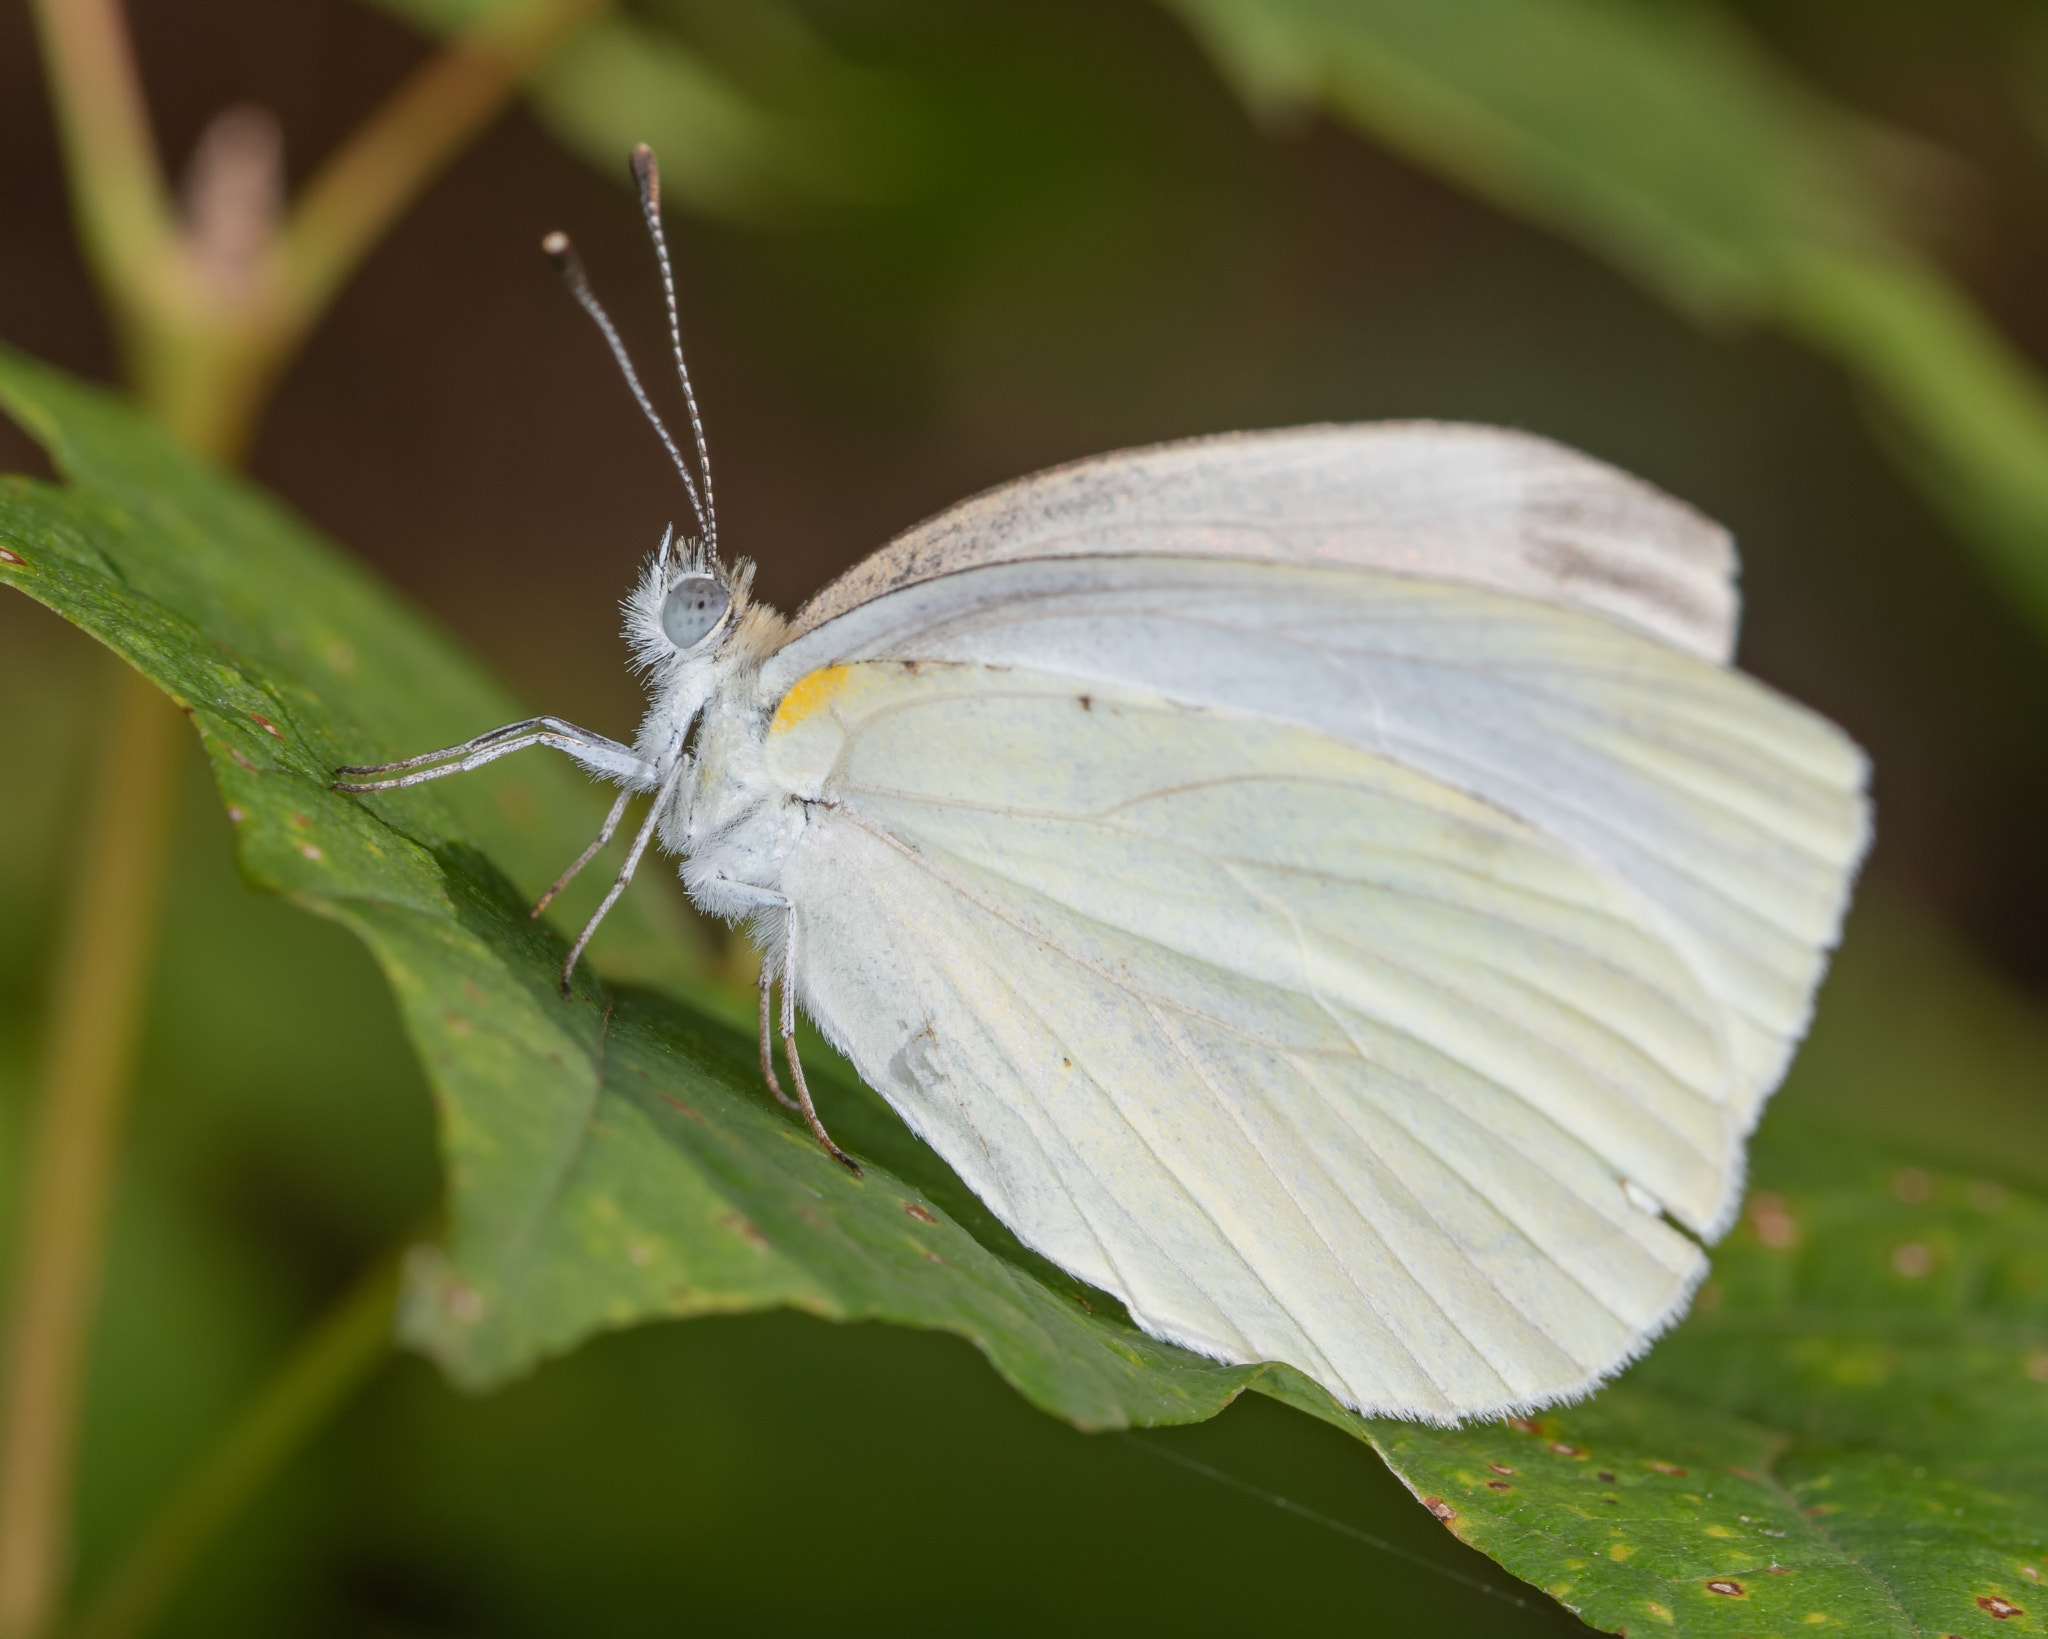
(692, 616)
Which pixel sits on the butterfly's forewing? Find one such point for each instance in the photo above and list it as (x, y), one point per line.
(1481, 505)
(1304, 1055)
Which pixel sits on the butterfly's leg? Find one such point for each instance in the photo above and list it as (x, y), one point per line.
(796, 1065)
(604, 835)
(601, 756)
(645, 835)
(768, 1040)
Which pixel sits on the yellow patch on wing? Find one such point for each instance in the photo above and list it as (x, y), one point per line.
(807, 695)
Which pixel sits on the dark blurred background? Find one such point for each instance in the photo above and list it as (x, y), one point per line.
(1071, 237)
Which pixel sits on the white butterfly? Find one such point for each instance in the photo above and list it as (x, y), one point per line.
(1326, 887)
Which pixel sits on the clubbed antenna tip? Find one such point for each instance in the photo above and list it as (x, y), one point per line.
(558, 250)
(646, 175)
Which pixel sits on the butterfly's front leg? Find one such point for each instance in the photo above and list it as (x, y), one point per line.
(605, 758)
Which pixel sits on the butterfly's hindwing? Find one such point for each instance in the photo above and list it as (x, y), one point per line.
(1304, 1055)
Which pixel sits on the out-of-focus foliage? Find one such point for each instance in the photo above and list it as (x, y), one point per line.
(1661, 137)
(752, 115)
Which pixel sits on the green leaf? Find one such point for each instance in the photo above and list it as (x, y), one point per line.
(612, 1158)
(1658, 135)
(770, 122)
(1848, 1435)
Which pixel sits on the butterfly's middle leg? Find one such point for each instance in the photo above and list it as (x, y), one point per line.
(768, 900)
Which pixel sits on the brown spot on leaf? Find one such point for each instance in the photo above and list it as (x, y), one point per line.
(2030, 1573)
(2037, 1366)
(465, 1303)
(1913, 1259)
(1775, 1569)
(235, 815)
(1563, 1450)
(681, 1108)
(2004, 1609)
(919, 1213)
(1498, 1485)
(1604, 1477)
(1500, 1468)
(1721, 1585)
(9, 555)
(458, 1025)
(1524, 1424)
(1086, 1306)
(243, 761)
(1668, 1468)
(1913, 1186)
(743, 1227)
(1443, 1510)
(265, 724)
(311, 850)
(930, 1255)
(1773, 1222)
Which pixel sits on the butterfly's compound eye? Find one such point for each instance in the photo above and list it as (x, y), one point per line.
(694, 609)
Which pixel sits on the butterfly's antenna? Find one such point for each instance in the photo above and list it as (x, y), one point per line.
(647, 179)
(558, 250)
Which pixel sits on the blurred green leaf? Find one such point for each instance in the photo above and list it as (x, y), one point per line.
(1662, 138)
(766, 120)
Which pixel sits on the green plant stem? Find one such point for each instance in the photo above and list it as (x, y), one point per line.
(125, 218)
(208, 365)
(202, 353)
(344, 1347)
(102, 978)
